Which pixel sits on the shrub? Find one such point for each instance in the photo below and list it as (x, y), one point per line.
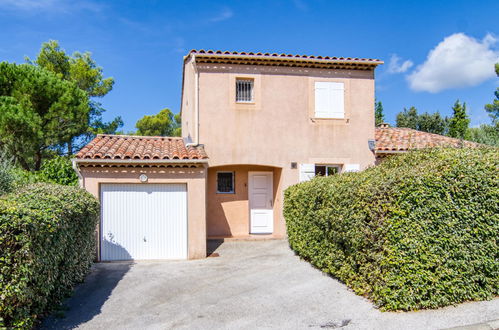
(47, 242)
(6, 176)
(58, 169)
(418, 231)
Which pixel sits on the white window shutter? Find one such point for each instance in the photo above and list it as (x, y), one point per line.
(322, 100)
(352, 168)
(307, 172)
(329, 99)
(337, 93)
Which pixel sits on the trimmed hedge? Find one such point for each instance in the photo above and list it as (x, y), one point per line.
(47, 242)
(418, 231)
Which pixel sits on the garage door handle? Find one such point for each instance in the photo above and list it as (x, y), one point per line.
(145, 239)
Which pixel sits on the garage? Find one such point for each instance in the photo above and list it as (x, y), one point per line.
(143, 221)
(152, 191)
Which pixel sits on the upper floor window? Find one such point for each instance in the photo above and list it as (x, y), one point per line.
(329, 100)
(244, 90)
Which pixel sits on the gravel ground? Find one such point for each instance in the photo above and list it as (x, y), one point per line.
(251, 285)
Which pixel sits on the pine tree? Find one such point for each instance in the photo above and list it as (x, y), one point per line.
(379, 116)
(459, 122)
(408, 118)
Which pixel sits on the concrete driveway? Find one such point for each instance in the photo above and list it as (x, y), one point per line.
(250, 285)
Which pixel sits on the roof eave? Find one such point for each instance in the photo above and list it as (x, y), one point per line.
(139, 161)
(373, 63)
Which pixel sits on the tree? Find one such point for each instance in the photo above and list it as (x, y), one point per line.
(38, 111)
(379, 116)
(162, 124)
(81, 69)
(493, 108)
(459, 122)
(408, 118)
(485, 134)
(426, 122)
(432, 123)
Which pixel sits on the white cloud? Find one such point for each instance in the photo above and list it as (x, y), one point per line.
(396, 67)
(27, 4)
(457, 61)
(52, 5)
(223, 15)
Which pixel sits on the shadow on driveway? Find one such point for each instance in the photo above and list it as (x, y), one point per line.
(89, 297)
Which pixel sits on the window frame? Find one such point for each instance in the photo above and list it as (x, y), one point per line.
(252, 90)
(337, 166)
(233, 191)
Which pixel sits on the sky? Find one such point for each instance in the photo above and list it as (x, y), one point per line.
(435, 52)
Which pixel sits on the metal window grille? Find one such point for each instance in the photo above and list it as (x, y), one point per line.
(225, 182)
(244, 90)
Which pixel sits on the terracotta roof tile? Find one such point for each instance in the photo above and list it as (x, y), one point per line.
(215, 56)
(403, 139)
(106, 146)
(283, 55)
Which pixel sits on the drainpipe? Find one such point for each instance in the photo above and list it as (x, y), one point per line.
(196, 103)
(77, 170)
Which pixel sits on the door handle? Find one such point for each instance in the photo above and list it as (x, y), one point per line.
(271, 203)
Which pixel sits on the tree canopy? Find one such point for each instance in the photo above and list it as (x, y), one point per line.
(38, 110)
(165, 123)
(426, 122)
(81, 69)
(408, 118)
(493, 108)
(459, 122)
(379, 116)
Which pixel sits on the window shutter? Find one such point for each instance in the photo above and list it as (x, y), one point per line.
(322, 100)
(307, 172)
(352, 167)
(337, 94)
(329, 100)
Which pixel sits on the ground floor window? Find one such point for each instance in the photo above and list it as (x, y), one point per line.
(225, 182)
(327, 170)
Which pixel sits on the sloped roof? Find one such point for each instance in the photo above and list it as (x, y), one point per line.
(128, 147)
(392, 139)
(259, 58)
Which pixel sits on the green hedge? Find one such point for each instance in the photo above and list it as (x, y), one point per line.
(57, 169)
(418, 231)
(47, 242)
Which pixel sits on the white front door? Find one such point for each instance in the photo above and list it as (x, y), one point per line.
(261, 202)
(143, 221)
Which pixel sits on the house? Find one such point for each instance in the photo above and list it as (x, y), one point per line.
(395, 140)
(252, 125)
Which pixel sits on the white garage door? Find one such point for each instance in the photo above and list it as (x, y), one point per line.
(143, 221)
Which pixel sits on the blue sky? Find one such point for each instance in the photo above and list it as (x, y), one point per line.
(141, 44)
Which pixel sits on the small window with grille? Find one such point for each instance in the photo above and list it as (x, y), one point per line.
(244, 90)
(225, 182)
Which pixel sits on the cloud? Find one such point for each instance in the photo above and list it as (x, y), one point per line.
(27, 4)
(223, 15)
(396, 67)
(52, 5)
(458, 61)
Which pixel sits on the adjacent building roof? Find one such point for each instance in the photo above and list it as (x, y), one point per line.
(257, 58)
(393, 139)
(125, 147)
